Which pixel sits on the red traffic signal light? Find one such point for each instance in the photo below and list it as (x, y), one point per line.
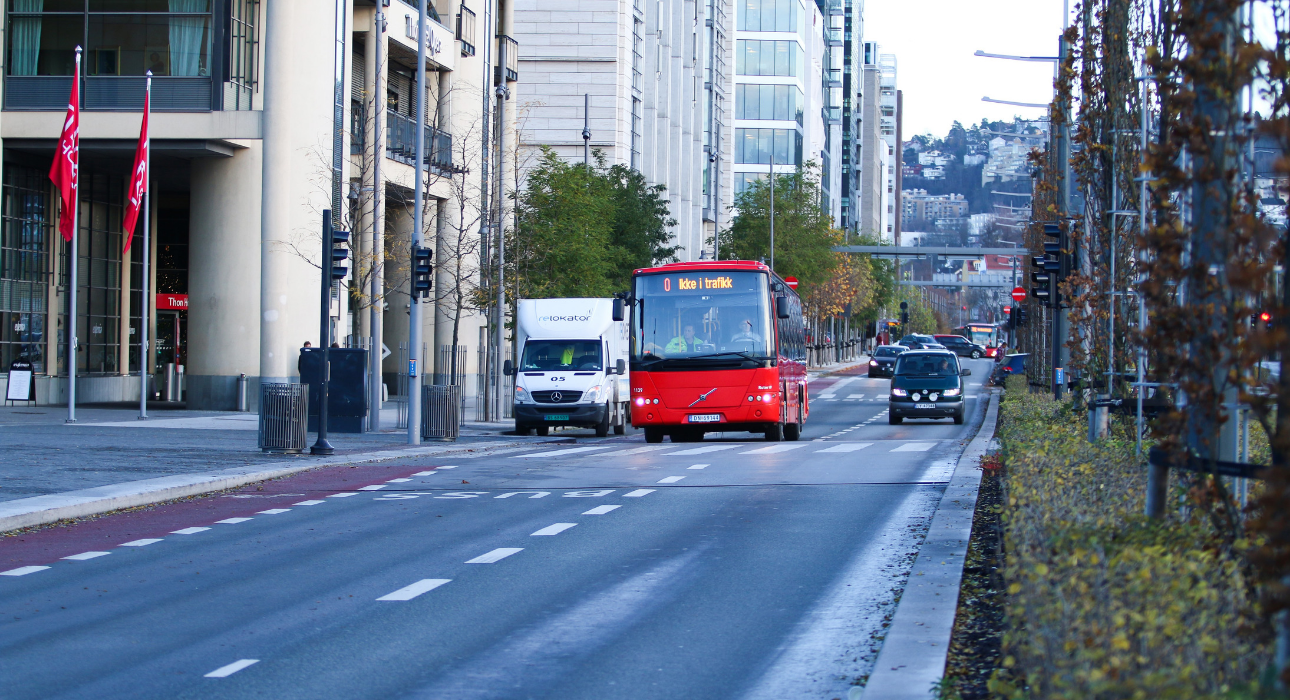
(1265, 317)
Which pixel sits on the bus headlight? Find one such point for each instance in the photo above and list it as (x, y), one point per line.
(767, 397)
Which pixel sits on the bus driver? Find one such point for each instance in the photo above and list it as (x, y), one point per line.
(686, 342)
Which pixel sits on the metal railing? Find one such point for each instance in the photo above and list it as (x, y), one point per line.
(284, 417)
(440, 412)
(401, 142)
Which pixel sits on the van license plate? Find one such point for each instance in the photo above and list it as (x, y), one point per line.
(924, 405)
(706, 418)
(555, 417)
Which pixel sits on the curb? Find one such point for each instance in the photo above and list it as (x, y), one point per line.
(914, 654)
(41, 510)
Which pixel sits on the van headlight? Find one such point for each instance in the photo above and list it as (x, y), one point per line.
(590, 395)
(899, 392)
(522, 395)
(952, 392)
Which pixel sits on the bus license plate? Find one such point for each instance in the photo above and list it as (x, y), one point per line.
(924, 405)
(706, 418)
(558, 417)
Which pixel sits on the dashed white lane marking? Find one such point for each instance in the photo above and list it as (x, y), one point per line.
(638, 493)
(87, 555)
(447, 466)
(232, 521)
(915, 447)
(347, 494)
(846, 447)
(424, 473)
(189, 531)
(670, 479)
(274, 511)
(308, 503)
(416, 589)
(23, 570)
(704, 450)
(373, 487)
(772, 449)
(496, 555)
(139, 543)
(698, 466)
(561, 453)
(398, 481)
(553, 529)
(856, 396)
(232, 668)
(601, 510)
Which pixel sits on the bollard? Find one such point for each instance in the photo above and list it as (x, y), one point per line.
(241, 394)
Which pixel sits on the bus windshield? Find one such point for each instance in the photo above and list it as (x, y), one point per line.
(702, 314)
(984, 335)
(561, 355)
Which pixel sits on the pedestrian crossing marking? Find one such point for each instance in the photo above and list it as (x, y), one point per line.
(846, 447)
(915, 447)
(772, 449)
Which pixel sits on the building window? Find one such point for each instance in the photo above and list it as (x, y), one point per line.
(757, 146)
(98, 326)
(769, 15)
(167, 37)
(780, 58)
(636, 133)
(466, 31)
(243, 62)
(24, 266)
(779, 102)
(745, 180)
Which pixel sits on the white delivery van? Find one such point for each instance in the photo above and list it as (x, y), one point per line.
(572, 365)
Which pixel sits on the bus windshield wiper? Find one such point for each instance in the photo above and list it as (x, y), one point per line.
(737, 353)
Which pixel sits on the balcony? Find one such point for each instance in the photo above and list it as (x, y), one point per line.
(48, 93)
(833, 78)
(466, 31)
(834, 7)
(512, 49)
(833, 36)
(401, 139)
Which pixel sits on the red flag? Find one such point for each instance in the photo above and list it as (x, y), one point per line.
(64, 171)
(139, 177)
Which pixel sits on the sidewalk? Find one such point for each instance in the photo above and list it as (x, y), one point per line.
(42, 455)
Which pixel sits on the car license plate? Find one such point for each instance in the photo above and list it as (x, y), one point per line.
(706, 418)
(557, 417)
(924, 405)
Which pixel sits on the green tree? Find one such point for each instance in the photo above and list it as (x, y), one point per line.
(641, 220)
(804, 235)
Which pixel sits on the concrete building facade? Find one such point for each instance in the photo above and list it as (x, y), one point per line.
(245, 160)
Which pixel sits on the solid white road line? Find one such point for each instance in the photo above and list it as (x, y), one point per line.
(553, 529)
(846, 447)
(190, 531)
(397, 481)
(232, 668)
(308, 503)
(343, 495)
(601, 510)
(703, 450)
(232, 521)
(698, 466)
(274, 511)
(638, 493)
(87, 555)
(373, 487)
(416, 589)
(670, 479)
(915, 447)
(561, 453)
(772, 449)
(139, 543)
(23, 571)
(496, 555)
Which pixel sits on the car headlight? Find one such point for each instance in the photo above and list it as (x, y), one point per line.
(522, 396)
(873, 363)
(952, 392)
(899, 392)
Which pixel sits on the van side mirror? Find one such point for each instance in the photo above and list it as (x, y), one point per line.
(781, 307)
(620, 310)
(965, 372)
(508, 368)
(620, 367)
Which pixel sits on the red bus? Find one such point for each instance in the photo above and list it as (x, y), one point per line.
(988, 335)
(716, 346)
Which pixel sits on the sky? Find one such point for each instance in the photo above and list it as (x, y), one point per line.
(942, 81)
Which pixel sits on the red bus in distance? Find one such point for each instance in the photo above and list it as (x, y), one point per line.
(716, 346)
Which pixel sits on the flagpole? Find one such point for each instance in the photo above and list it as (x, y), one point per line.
(76, 206)
(143, 277)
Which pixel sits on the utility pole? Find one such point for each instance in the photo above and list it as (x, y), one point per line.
(586, 128)
(418, 224)
(1062, 149)
(502, 93)
(772, 205)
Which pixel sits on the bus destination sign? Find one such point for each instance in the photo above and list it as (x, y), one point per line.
(691, 284)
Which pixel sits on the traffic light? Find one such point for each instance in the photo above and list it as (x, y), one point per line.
(904, 317)
(422, 269)
(339, 253)
(1022, 316)
(1264, 318)
(1041, 283)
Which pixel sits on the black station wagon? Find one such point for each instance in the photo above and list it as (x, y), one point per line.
(927, 384)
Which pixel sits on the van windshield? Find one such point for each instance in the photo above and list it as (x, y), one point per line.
(927, 365)
(561, 355)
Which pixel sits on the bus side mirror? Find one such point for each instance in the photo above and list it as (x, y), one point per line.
(508, 368)
(781, 307)
(621, 367)
(620, 310)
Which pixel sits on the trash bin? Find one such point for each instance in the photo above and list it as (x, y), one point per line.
(284, 414)
(440, 412)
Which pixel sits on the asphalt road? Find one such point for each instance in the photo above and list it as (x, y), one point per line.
(732, 568)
